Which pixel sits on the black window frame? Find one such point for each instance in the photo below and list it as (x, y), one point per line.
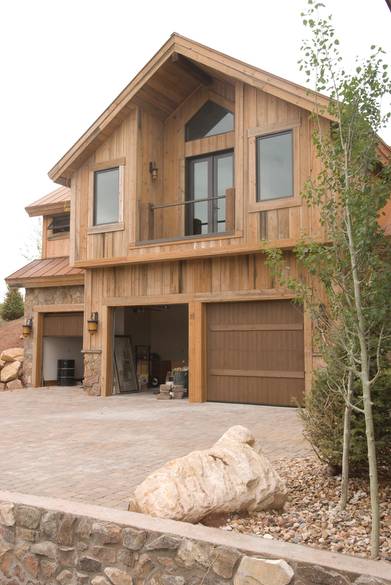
(203, 137)
(212, 158)
(258, 170)
(100, 171)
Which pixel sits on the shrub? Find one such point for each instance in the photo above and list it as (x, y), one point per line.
(323, 420)
(13, 306)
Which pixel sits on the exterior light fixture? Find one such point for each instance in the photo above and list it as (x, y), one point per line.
(153, 170)
(27, 327)
(92, 323)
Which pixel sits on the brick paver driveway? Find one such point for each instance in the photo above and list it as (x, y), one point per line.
(61, 443)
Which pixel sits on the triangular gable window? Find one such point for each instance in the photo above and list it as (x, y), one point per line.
(210, 120)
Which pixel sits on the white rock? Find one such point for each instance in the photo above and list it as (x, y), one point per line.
(254, 571)
(15, 385)
(99, 580)
(231, 476)
(13, 354)
(118, 577)
(7, 516)
(10, 371)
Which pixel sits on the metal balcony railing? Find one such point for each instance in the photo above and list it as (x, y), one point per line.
(182, 220)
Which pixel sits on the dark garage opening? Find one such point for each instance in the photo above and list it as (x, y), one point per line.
(149, 343)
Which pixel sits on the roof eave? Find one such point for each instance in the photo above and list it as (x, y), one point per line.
(62, 171)
(41, 282)
(59, 173)
(50, 209)
(289, 91)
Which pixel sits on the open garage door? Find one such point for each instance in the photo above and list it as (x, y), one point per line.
(255, 352)
(62, 340)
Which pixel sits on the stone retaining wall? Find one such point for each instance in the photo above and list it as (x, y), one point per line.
(48, 541)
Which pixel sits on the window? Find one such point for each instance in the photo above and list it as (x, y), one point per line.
(106, 196)
(275, 166)
(60, 224)
(210, 120)
(208, 178)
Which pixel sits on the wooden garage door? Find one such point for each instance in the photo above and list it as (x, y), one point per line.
(255, 352)
(63, 325)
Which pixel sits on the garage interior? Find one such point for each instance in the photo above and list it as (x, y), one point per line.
(62, 340)
(149, 342)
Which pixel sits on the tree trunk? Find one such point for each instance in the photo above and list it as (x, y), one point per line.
(373, 476)
(366, 393)
(346, 444)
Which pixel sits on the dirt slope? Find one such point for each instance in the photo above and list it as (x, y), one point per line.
(10, 334)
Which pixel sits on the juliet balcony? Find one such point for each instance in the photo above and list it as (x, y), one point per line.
(198, 217)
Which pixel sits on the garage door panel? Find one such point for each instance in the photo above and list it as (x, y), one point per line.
(258, 390)
(255, 312)
(63, 325)
(255, 352)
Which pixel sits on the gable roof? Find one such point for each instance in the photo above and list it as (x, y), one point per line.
(198, 56)
(56, 201)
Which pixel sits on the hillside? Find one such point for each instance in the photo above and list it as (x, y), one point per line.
(10, 334)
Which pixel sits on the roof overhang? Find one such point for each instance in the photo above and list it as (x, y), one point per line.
(202, 59)
(57, 201)
(46, 272)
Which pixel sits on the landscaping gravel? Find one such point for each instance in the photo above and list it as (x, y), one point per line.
(312, 516)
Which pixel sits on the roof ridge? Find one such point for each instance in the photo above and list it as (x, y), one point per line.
(284, 89)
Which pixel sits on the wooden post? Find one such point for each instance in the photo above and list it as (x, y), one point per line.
(308, 350)
(107, 351)
(36, 378)
(197, 353)
(230, 210)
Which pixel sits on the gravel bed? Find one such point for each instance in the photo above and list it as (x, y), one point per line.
(312, 517)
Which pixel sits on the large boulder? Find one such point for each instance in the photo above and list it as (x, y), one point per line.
(232, 476)
(10, 371)
(13, 354)
(15, 385)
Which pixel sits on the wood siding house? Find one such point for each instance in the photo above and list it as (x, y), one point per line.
(174, 192)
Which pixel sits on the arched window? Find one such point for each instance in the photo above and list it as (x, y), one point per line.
(210, 120)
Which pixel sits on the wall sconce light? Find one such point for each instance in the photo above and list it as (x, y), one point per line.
(92, 323)
(27, 327)
(153, 170)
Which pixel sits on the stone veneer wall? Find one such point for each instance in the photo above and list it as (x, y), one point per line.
(92, 371)
(61, 295)
(47, 541)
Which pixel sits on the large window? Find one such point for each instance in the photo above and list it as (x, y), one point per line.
(208, 178)
(106, 196)
(210, 120)
(274, 166)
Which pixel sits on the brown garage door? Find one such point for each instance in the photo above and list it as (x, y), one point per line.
(255, 352)
(63, 325)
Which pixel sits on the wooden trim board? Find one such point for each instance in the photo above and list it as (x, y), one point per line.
(66, 308)
(266, 327)
(197, 352)
(36, 378)
(257, 373)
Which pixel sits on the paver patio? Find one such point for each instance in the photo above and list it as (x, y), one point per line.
(61, 443)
